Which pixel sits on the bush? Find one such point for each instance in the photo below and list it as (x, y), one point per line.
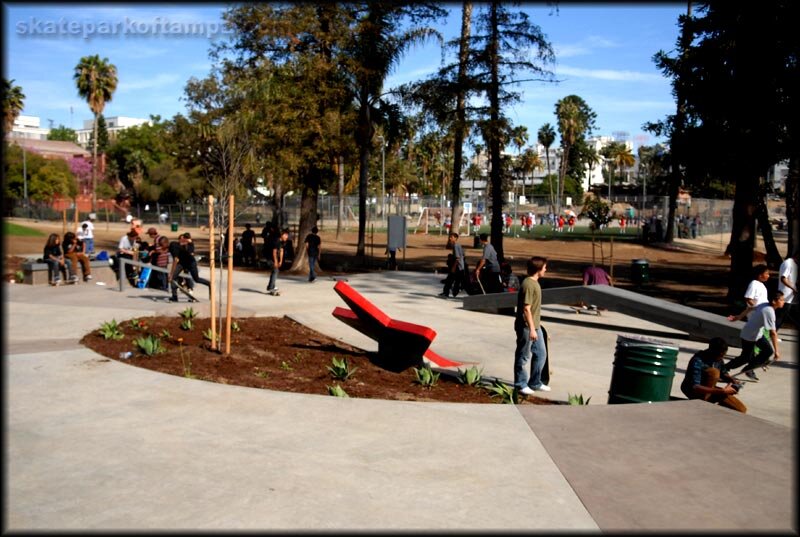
(426, 377)
(341, 369)
(150, 345)
(111, 330)
(470, 377)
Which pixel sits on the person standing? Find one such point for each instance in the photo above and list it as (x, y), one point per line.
(86, 234)
(756, 292)
(248, 246)
(760, 322)
(313, 245)
(456, 266)
(787, 284)
(530, 339)
(488, 268)
(275, 248)
(622, 224)
(703, 373)
(183, 260)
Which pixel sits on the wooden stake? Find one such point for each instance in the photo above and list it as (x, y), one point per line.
(611, 270)
(230, 277)
(106, 208)
(64, 220)
(76, 214)
(211, 266)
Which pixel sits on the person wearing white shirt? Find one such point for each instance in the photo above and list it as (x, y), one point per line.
(86, 234)
(756, 293)
(787, 284)
(753, 335)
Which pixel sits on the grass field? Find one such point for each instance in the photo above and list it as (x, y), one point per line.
(11, 229)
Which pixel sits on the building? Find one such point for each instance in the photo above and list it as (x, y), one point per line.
(114, 125)
(51, 148)
(28, 127)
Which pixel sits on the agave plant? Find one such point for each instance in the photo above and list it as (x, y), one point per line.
(341, 369)
(508, 395)
(577, 399)
(207, 335)
(165, 334)
(337, 391)
(471, 376)
(189, 313)
(187, 324)
(111, 330)
(426, 377)
(149, 345)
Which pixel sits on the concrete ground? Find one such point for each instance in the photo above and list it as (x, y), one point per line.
(96, 444)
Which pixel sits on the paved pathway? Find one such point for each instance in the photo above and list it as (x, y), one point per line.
(96, 444)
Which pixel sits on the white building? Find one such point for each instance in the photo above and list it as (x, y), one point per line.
(28, 127)
(114, 125)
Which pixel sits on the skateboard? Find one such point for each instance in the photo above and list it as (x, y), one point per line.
(185, 290)
(274, 293)
(589, 310)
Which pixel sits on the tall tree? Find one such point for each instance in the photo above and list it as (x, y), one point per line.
(96, 80)
(575, 120)
(378, 43)
(547, 136)
(13, 104)
(63, 134)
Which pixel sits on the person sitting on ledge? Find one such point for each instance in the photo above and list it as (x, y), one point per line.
(595, 276)
(704, 371)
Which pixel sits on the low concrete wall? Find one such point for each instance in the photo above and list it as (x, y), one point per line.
(36, 273)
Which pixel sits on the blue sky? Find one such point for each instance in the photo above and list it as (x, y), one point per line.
(603, 54)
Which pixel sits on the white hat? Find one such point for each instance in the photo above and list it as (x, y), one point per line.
(128, 218)
(92, 216)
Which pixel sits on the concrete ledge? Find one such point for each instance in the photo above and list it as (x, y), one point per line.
(701, 325)
(36, 273)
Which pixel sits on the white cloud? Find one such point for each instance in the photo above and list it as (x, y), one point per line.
(588, 45)
(607, 74)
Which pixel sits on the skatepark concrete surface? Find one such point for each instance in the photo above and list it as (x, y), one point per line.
(95, 444)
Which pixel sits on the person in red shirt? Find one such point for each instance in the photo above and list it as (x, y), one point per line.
(571, 224)
(622, 225)
(560, 224)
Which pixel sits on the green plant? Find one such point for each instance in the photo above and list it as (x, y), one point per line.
(207, 335)
(186, 362)
(285, 366)
(471, 376)
(189, 313)
(149, 345)
(138, 324)
(337, 391)
(165, 334)
(187, 324)
(19, 276)
(235, 327)
(508, 395)
(341, 369)
(298, 357)
(577, 399)
(262, 374)
(111, 330)
(426, 376)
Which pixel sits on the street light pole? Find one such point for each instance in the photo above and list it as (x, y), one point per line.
(25, 180)
(383, 179)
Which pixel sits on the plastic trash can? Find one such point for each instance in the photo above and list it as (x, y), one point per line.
(643, 370)
(640, 271)
(174, 226)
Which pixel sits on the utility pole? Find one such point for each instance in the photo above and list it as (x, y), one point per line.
(383, 179)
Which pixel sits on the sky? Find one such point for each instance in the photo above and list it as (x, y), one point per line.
(603, 54)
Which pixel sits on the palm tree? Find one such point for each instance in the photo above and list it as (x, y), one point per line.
(575, 119)
(620, 156)
(13, 103)
(96, 80)
(546, 137)
(527, 162)
(593, 158)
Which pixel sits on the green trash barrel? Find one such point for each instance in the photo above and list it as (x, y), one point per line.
(643, 370)
(174, 226)
(640, 271)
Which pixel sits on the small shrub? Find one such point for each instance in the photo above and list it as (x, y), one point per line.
(165, 334)
(138, 324)
(577, 399)
(341, 370)
(471, 376)
(19, 276)
(508, 395)
(189, 313)
(426, 377)
(149, 345)
(187, 324)
(262, 374)
(235, 327)
(111, 330)
(285, 366)
(337, 391)
(207, 335)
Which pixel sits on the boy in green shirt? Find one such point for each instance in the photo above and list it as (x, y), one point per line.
(530, 340)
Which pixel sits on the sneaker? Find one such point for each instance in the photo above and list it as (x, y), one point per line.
(87, 277)
(173, 299)
(73, 278)
(526, 391)
(443, 295)
(751, 375)
(543, 388)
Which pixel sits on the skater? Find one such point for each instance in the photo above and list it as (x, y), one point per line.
(703, 373)
(275, 249)
(760, 321)
(527, 325)
(313, 245)
(456, 265)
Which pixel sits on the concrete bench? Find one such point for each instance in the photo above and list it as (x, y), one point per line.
(36, 272)
(700, 325)
(400, 344)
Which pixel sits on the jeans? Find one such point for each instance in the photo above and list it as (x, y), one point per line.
(527, 349)
(54, 269)
(788, 310)
(89, 243)
(312, 263)
(491, 282)
(748, 354)
(454, 280)
(273, 279)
